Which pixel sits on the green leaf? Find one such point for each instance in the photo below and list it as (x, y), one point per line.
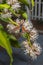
(6, 6)
(4, 42)
(24, 15)
(8, 20)
(2, 6)
(32, 1)
(12, 37)
(1, 27)
(11, 21)
(14, 41)
(24, 2)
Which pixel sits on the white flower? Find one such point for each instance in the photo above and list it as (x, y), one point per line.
(12, 28)
(33, 34)
(18, 21)
(28, 50)
(25, 47)
(37, 47)
(25, 43)
(17, 31)
(33, 51)
(15, 1)
(11, 1)
(28, 25)
(6, 15)
(33, 55)
(16, 6)
(5, 10)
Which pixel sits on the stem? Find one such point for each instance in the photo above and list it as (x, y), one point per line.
(11, 60)
(29, 42)
(12, 22)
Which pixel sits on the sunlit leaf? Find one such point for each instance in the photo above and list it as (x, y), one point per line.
(2, 6)
(8, 20)
(4, 42)
(13, 22)
(32, 2)
(24, 15)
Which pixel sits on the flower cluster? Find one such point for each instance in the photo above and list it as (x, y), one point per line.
(6, 15)
(14, 4)
(18, 24)
(34, 50)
